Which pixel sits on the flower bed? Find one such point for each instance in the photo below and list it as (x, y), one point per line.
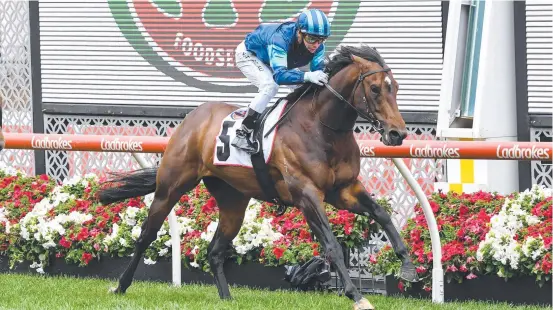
(41, 221)
(481, 234)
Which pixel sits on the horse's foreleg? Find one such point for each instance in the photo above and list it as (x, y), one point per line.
(232, 206)
(171, 186)
(357, 200)
(311, 205)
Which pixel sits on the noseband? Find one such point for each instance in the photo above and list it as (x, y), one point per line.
(369, 115)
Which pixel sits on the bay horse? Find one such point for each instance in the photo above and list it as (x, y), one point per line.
(315, 159)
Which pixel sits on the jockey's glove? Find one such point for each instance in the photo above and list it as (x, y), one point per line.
(318, 77)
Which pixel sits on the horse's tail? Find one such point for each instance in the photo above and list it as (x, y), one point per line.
(127, 185)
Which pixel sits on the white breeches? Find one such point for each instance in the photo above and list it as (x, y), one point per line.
(259, 75)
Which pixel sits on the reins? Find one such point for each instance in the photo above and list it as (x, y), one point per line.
(368, 116)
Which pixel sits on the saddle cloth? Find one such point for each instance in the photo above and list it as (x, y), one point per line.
(227, 155)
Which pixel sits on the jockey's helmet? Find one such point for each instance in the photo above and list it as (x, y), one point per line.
(314, 22)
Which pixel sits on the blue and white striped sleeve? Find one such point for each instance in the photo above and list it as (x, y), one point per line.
(318, 61)
(278, 56)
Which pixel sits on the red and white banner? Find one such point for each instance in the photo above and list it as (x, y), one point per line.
(506, 150)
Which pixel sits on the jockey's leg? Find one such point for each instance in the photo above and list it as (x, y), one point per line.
(262, 77)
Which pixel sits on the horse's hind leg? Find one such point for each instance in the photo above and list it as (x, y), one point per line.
(172, 183)
(357, 200)
(232, 207)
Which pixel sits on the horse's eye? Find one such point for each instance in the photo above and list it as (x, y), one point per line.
(375, 89)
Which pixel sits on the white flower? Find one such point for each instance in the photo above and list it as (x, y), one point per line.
(148, 199)
(500, 242)
(194, 264)
(49, 244)
(129, 216)
(148, 261)
(11, 170)
(162, 231)
(122, 241)
(135, 232)
(185, 225)
(163, 251)
(114, 232)
(72, 181)
(210, 231)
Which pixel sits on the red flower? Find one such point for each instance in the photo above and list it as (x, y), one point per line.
(83, 234)
(86, 257)
(305, 235)
(348, 229)
(463, 210)
(65, 243)
(278, 252)
(435, 207)
(44, 177)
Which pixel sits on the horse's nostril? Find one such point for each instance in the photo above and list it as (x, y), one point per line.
(394, 135)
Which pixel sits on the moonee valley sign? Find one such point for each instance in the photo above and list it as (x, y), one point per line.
(201, 35)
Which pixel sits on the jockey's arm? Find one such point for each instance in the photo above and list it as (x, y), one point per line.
(278, 56)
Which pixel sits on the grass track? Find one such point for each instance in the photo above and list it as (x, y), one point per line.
(39, 292)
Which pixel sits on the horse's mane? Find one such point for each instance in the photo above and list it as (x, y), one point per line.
(338, 61)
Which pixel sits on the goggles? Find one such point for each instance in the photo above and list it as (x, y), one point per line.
(313, 39)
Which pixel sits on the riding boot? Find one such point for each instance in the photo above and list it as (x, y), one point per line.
(243, 138)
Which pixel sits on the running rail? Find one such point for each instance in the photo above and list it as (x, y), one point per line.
(504, 150)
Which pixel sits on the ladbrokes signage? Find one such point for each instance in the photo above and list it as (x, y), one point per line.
(194, 41)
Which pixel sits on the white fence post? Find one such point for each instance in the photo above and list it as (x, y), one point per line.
(437, 268)
(174, 231)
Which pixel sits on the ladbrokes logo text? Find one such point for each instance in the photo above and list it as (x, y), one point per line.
(516, 152)
(47, 143)
(116, 145)
(429, 152)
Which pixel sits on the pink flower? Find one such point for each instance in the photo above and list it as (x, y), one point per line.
(372, 259)
(471, 276)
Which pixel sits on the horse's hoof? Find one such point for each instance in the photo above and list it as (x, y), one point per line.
(115, 290)
(409, 272)
(363, 304)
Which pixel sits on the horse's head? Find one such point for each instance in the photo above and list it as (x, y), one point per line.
(375, 96)
(374, 91)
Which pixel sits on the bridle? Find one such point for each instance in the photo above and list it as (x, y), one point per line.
(368, 116)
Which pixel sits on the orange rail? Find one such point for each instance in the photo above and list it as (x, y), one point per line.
(501, 150)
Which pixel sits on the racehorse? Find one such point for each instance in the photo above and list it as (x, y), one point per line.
(315, 159)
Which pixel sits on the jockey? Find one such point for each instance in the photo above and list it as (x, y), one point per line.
(269, 57)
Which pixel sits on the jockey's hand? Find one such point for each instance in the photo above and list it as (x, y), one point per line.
(318, 77)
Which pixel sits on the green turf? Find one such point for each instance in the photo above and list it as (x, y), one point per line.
(38, 292)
